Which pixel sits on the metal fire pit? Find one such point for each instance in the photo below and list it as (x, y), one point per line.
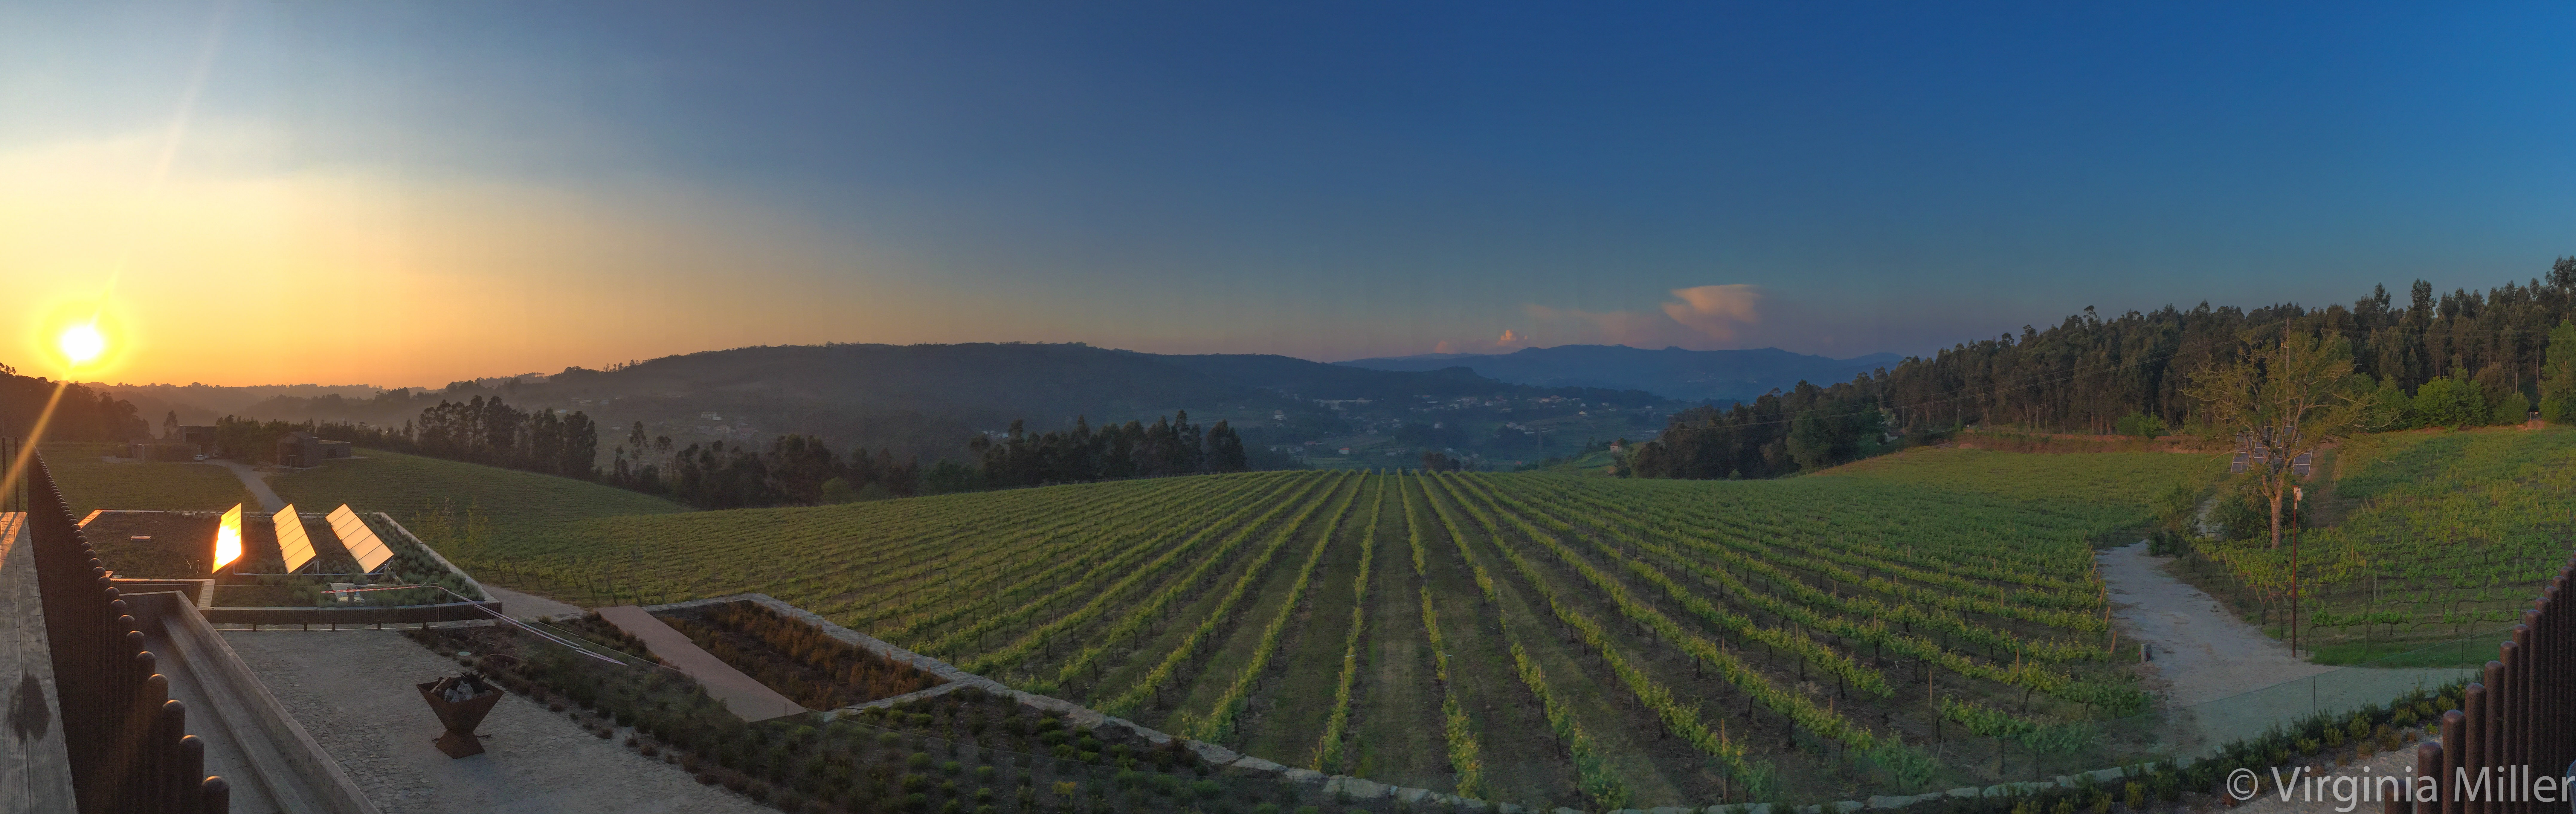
(460, 717)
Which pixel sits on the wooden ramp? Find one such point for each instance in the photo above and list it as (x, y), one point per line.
(748, 699)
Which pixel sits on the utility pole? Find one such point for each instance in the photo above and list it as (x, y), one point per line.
(2296, 494)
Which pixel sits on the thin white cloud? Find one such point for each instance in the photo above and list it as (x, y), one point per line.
(1700, 317)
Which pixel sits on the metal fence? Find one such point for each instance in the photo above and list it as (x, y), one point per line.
(2513, 724)
(127, 740)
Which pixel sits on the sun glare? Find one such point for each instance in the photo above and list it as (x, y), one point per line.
(228, 538)
(82, 343)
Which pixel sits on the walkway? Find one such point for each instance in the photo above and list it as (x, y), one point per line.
(256, 482)
(353, 690)
(748, 698)
(524, 605)
(2234, 680)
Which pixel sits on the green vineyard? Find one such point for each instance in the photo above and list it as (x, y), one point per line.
(2451, 534)
(1540, 639)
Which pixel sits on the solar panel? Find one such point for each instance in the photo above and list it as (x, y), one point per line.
(361, 541)
(228, 542)
(291, 540)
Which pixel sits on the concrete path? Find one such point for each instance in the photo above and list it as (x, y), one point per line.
(523, 605)
(256, 482)
(353, 690)
(745, 696)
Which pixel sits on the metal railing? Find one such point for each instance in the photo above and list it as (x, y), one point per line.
(2514, 723)
(126, 738)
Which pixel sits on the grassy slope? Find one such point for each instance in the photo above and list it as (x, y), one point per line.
(89, 483)
(518, 506)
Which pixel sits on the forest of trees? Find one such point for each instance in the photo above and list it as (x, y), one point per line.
(2463, 357)
(1170, 446)
(488, 431)
(804, 470)
(82, 414)
(794, 470)
(479, 430)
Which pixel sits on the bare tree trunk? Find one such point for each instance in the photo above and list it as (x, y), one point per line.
(2276, 516)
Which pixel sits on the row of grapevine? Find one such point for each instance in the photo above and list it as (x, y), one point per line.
(1045, 635)
(1066, 543)
(1466, 760)
(1102, 558)
(2112, 698)
(1143, 614)
(1658, 698)
(1328, 751)
(1835, 664)
(1741, 551)
(1220, 722)
(1593, 775)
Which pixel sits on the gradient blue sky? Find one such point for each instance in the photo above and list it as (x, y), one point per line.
(507, 187)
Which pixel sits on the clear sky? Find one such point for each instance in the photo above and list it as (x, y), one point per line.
(408, 193)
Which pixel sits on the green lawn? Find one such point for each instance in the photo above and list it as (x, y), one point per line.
(449, 503)
(90, 483)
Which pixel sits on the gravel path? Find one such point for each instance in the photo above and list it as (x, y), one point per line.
(353, 690)
(2237, 681)
(2201, 652)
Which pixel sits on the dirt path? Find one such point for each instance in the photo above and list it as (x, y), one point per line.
(2236, 681)
(2201, 652)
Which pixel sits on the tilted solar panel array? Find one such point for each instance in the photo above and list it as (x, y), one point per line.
(361, 541)
(292, 542)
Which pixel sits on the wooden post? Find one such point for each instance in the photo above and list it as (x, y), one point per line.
(2455, 738)
(2427, 754)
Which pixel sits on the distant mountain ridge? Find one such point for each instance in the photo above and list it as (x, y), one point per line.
(1688, 375)
(927, 399)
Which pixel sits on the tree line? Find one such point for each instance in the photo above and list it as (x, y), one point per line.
(478, 430)
(81, 414)
(794, 470)
(1172, 445)
(2447, 359)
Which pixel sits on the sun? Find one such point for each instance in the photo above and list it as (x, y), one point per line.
(82, 343)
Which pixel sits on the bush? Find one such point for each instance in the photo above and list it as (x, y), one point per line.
(2141, 425)
(2450, 402)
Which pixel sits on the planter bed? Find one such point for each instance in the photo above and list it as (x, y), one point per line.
(957, 752)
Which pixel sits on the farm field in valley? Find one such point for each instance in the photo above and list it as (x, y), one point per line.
(1532, 638)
